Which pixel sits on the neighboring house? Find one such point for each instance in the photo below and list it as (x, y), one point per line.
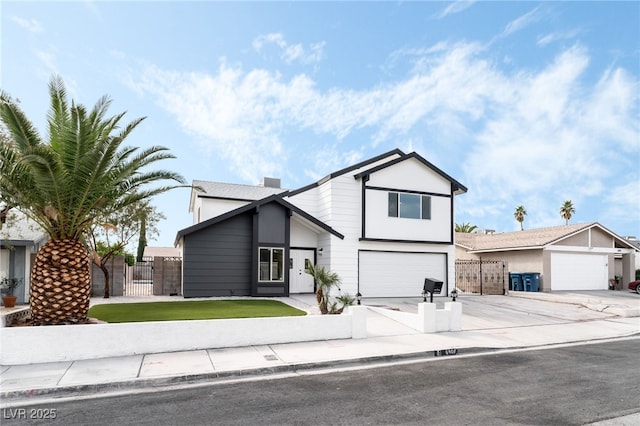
(20, 238)
(383, 225)
(636, 243)
(571, 257)
(151, 251)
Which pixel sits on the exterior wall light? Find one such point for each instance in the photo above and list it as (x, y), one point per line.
(454, 294)
(359, 297)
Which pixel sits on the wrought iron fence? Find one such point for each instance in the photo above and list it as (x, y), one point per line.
(139, 278)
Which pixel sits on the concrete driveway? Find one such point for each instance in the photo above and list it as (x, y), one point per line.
(525, 309)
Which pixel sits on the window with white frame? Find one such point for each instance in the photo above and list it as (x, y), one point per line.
(410, 206)
(271, 264)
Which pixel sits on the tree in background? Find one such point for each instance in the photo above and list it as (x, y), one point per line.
(519, 214)
(142, 240)
(124, 224)
(566, 211)
(83, 172)
(465, 228)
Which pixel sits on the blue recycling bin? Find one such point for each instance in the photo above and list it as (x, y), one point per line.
(515, 281)
(531, 281)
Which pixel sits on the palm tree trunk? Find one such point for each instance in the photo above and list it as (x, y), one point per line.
(105, 271)
(60, 283)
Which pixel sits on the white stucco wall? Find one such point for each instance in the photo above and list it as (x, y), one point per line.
(30, 345)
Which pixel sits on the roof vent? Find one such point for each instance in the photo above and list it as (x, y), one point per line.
(268, 182)
(486, 231)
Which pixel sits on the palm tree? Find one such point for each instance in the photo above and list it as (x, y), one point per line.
(324, 281)
(566, 211)
(466, 228)
(519, 214)
(81, 173)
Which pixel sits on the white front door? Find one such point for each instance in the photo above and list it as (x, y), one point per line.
(299, 280)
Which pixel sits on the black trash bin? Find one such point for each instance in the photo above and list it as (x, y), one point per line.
(515, 281)
(531, 281)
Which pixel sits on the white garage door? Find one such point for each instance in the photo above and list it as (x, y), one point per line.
(573, 271)
(394, 274)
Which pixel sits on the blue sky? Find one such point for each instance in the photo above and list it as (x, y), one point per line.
(525, 103)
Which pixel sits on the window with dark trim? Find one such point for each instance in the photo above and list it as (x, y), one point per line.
(271, 264)
(410, 206)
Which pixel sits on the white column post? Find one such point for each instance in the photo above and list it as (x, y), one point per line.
(455, 315)
(427, 317)
(358, 322)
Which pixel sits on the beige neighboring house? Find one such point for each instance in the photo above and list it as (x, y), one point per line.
(20, 239)
(570, 257)
(150, 251)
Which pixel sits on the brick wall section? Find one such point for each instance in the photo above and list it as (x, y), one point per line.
(115, 265)
(167, 276)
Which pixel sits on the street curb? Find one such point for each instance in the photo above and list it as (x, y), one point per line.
(160, 382)
(32, 396)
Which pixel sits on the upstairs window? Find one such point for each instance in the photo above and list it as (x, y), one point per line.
(410, 206)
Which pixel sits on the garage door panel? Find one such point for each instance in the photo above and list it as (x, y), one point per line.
(577, 271)
(396, 274)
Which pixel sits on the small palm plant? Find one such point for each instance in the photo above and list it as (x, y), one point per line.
(325, 281)
(80, 173)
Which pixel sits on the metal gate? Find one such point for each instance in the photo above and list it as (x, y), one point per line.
(481, 276)
(139, 278)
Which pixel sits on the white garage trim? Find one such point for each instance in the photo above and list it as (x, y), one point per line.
(399, 274)
(579, 271)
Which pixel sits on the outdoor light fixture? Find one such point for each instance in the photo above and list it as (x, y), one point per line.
(454, 294)
(358, 297)
(424, 295)
(320, 251)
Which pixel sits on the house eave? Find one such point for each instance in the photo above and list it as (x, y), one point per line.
(497, 250)
(277, 198)
(456, 187)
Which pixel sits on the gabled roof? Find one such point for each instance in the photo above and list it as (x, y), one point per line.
(527, 239)
(275, 198)
(231, 191)
(457, 186)
(396, 152)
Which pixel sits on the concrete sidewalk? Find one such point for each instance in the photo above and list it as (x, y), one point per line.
(489, 323)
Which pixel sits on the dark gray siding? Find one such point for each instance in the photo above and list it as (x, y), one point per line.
(272, 230)
(272, 224)
(217, 260)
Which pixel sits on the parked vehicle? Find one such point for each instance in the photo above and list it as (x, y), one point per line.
(635, 286)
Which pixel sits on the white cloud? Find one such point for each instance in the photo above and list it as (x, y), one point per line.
(290, 53)
(30, 25)
(522, 21)
(544, 40)
(455, 7)
(521, 137)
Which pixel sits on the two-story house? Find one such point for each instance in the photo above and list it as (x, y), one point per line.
(383, 225)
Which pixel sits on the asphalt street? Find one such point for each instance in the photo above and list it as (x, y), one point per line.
(569, 385)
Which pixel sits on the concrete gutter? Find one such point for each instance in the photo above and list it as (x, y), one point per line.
(623, 307)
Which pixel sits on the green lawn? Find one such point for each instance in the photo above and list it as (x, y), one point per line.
(191, 310)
